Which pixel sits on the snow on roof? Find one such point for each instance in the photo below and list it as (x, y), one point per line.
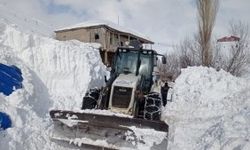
(108, 24)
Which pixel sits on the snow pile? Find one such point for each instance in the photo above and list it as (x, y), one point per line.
(56, 75)
(210, 110)
(79, 142)
(147, 137)
(65, 68)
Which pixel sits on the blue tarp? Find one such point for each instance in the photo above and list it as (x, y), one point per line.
(5, 121)
(10, 79)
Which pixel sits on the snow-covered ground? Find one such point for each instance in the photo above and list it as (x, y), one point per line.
(209, 109)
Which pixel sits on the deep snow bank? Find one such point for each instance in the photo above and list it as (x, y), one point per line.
(210, 110)
(65, 68)
(56, 75)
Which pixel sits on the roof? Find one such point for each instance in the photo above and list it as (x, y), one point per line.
(107, 24)
(228, 39)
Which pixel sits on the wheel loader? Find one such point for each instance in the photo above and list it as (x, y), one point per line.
(125, 113)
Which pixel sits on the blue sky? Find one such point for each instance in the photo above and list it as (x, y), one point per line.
(164, 21)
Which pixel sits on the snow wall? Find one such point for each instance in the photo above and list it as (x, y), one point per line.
(55, 74)
(210, 110)
(65, 68)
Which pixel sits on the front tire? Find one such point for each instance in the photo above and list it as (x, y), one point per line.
(152, 108)
(90, 99)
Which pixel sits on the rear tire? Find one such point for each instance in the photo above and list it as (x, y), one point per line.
(152, 108)
(90, 99)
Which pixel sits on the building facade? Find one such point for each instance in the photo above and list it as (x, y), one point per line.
(109, 35)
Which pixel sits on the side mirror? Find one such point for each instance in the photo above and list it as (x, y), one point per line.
(164, 60)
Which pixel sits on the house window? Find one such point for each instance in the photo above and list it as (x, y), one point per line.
(97, 37)
(116, 40)
(111, 39)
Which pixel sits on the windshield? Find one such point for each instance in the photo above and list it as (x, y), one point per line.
(126, 62)
(146, 65)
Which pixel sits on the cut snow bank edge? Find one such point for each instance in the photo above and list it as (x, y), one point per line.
(210, 110)
(65, 68)
(56, 75)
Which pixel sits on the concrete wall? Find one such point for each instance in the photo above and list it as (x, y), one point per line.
(79, 34)
(108, 38)
(84, 35)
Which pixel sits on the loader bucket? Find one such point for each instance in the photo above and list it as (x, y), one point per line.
(108, 132)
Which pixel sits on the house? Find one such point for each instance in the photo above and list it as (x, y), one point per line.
(229, 39)
(228, 42)
(108, 34)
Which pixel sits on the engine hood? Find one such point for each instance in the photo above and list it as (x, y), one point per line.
(127, 80)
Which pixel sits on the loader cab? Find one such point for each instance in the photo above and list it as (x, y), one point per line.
(139, 62)
(131, 78)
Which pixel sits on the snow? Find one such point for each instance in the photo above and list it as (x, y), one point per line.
(57, 64)
(106, 112)
(210, 110)
(56, 75)
(80, 141)
(106, 23)
(151, 137)
(71, 122)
